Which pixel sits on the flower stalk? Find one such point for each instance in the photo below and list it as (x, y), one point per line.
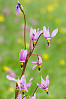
(21, 8)
(35, 90)
(28, 55)
(24, 57)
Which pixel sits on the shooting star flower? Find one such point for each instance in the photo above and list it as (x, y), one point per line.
(47, 36)
(34, 35)
(38, 63)
(22, 57)
(21, 84)
(44, 84)
(17, 8)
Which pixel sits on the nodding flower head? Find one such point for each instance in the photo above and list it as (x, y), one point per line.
(17, 8)
(34, 35)
(22, 57)
(38, 63)
(47, 36)
(21, 84)
(44, 84)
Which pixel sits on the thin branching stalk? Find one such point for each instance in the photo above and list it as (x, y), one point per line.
(28, 55)
(25, 96)
(24, 26)
(35, 90)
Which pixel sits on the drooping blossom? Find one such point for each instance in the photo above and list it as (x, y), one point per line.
(11, 73)
(46, 34)
(33, 97)
(22, 56)
(34, 35)
(44, 84)
(17, 8)
(21, 84)
(38, 63)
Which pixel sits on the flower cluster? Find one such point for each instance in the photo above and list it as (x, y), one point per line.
(21, 84)
(24, 56)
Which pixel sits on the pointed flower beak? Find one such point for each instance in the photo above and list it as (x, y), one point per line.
(23, 91)
(47, 91)
(39, 67)
(48, 42)
(34, 43)
(22, 64)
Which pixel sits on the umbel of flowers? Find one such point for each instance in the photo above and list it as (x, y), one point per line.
(24, 57)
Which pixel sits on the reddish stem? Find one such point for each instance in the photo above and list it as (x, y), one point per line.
(24, 29)
(28, 55)
(24, 26)
(35, 90)
(25, 96)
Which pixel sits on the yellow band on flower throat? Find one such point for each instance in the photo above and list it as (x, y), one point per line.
(23, 90)
(46, 90)
(39, 66)
(48, 40)
(34, 42)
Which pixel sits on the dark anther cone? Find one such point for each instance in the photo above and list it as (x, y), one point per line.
(39, 69)
(33, 45)
(48, 93)
(23, 93)
(21, 66)
(48, 44)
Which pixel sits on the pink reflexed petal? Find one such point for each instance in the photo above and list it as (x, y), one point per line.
(34, 62)
(40, 86)
(25, 88)
(34, 67)
(31, 32)
(38, 30)
(44, 29)
(25, 54)
(18, 11)
(30, 79)
(11, 73)
(54, 32)
(42, 81)
(34, 31)
(47, 82)
(20, 96)
(23, 79)
(46, 33)
(28, 85)
(10, 78)
(40, 60)
(47, 77)
(21, 55)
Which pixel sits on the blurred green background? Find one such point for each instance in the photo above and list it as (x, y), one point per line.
(39, 13)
